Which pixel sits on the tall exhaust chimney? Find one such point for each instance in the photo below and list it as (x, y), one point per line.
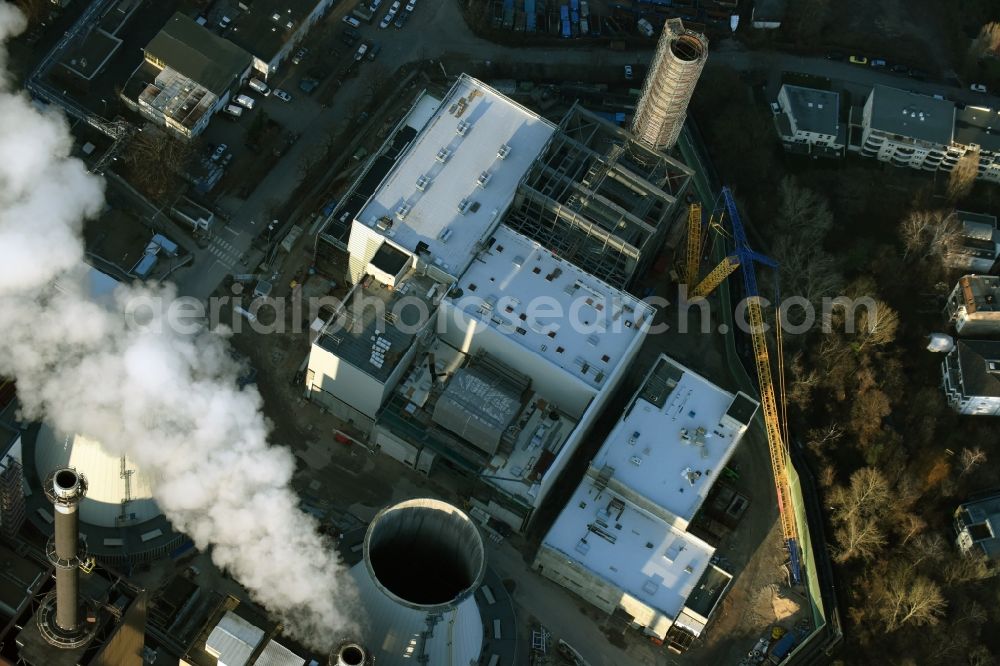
(59, 617)
(680, 56)
(423, 561)
(351, 653)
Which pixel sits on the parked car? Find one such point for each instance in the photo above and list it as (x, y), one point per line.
(918, 74)
(395, 7)
(629, 74)
(978, 87)
(362, 50)
(775, 108)
(858, 60)
(349, 39)
(374, 5)
(899, 69)
(834, 55)
(220, 150)
(246, 101)
(299, 56)
(224, 22)
(351, 21)
(374, 51)
(282, 95)
(411, 5)
(260, 87)
(233, 111)
(308, 85)
(386, 20)
(401, 19)
(878, 62)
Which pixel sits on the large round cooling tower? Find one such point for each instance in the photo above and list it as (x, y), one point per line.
(107, 477)
(423, 560)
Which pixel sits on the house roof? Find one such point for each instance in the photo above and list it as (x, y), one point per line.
(978, 125)
(911, 115)
(198, 53)
(813, 110)
(980, 364)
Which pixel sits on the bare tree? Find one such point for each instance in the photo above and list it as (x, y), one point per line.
(866, 494)
(901, 599)
(155, 160)
(858, 537)
(909, 526)
(963, 175)
(928, 233)
(876, 326)
(987, 42)
(969, 459)
(802, 212)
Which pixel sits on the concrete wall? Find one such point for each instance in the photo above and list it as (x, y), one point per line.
(344, 382)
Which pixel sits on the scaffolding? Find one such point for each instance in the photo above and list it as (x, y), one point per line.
(11, 497)
(680, 56)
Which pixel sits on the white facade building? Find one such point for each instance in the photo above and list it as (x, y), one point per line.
(449, 190)
(621, 542)
(970, 377)
(487, 349)
(809, 121)
(973, 306)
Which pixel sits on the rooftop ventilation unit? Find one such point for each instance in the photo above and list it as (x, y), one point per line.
(443, 155)
(504, 151)
(463, 128)
(445, 235)
(383, 223)
(483, 179)
(463, 206)
(403, 211)
(423, 183)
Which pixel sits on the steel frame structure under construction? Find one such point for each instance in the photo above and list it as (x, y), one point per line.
(598, 199)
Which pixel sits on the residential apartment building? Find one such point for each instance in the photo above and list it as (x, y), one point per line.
(978, 244)
(977, 526)
(621, 543)
(973, 307)
(971, 377)
(907, 129)
(809, 121)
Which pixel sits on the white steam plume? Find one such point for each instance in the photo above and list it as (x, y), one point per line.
(168, 399)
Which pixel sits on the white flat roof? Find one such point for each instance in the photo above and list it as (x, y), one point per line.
(652, 561)
(656, 451)
(515, 285)
(492, 121)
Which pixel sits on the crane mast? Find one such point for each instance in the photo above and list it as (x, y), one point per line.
(744, 258)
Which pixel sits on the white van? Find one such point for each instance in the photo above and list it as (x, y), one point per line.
(233, 110)
(245, 101)
(260, 87)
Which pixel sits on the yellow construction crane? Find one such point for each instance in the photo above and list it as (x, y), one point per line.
(774, 420)
(696, 241)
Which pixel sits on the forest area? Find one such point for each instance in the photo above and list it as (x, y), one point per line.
(893, 460)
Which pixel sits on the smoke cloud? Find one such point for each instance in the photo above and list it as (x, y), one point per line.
(168, 399)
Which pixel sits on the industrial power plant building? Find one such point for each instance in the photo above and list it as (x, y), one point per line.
(622, 543)
(479, 329)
